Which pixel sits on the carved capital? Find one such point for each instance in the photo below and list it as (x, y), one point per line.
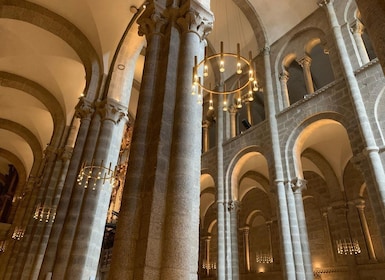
(298, 184)
(284, 76)
(323, 3)
(152, 20)
(192, 21)
(65, 153)
(111, 110)
(233, 205)
(305, 61)
(84, 109)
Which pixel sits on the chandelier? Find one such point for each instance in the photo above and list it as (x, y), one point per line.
(209, 265)
(91, 174)
(18, 233)
(45, 213)
(264, 258)
(348, 247)
(215, 65)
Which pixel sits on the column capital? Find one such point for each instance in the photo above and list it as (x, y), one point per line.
(304, 61)
(196, 21)
(111, 110)
(323, 3)
(84, 109)
(233, 205)
(232, 110)
(245, 229)
(65, 153)
(205, 123)
(284, 76)
(298, 184)
(357, 27)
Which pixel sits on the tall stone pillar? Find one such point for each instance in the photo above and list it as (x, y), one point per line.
(298, 185)
(206, 259)
(373, 17)
(284, 78)
(233, 208)
(371, 150)
(85, 251)
(295, 231)
(246, 245)
(205, 137)
(305, 62)
(280, 188)
(360, 205)
(233, 121)
(332, 252)
(357, 30)
(157, 232)
(84, 111)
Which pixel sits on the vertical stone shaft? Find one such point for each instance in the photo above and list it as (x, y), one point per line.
(127, 233)
(70, 217)
(298, 186)
(287, 249)
(181, 236)
(84, 111)
(89, 232)
(373, 17)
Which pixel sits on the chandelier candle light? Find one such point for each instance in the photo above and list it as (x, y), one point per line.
(237, 65)
(45, 213)
(18, 233)
(91, 174)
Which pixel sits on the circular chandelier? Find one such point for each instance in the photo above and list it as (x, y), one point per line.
(234, 64)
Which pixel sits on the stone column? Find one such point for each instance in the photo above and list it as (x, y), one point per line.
(233, 121)
(85, 251)
(206, 259)
(329, 237)
(357, 30)
(246, 244)
(280, 188)
(373, 16)
(295, 231)
(84, 111)
(205, 131)
(371, 149)
(248, 111)
(305, 62)
(233, 208)
(157, 233)
(284, 78)
(360, 205)
(181, 236)
(298, 185)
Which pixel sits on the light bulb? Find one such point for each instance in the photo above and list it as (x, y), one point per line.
(239, 68)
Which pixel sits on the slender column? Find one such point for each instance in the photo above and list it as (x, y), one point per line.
(331, 250)
(298, 185)
(246, 245)
(295, 232)
(305, 62)
(89, 232)
(221, 267)
(248, 111)
(205, 131)
(84, 111)
(233, 121)
(233, 208)
(285, 234)
(371, 150)
(360, 205)
(357, 30)
(206, 260)
(373, 17)
(284, 78)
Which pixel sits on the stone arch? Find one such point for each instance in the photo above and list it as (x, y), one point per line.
(29, 137)
(234, 168)
(43, 95)
(56, 24)
(19, 166)
(295, 140)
